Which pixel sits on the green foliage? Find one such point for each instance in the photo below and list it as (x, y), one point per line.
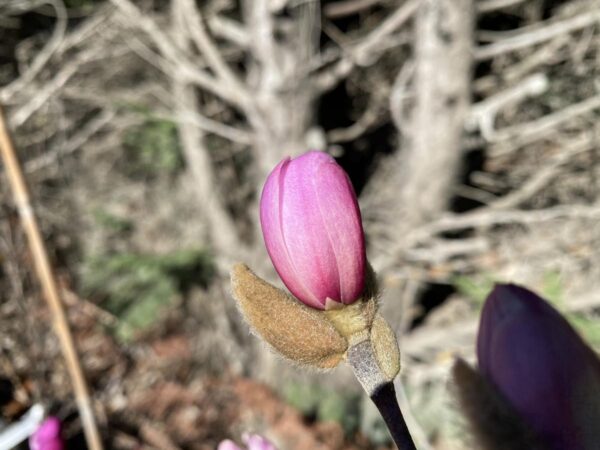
(137, 288)
(152, 148)
(475, 288)
(325, 405)
(342, 408)
(303, 397)
(589, 327)
(552, 289)
(111, 222)
(434, 408)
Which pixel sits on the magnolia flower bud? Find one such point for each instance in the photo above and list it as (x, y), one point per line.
(47, 436)
(313, 232)
(542, 367)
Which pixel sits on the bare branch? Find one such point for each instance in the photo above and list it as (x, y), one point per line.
(400, 93)
(442, 98)
(483, 114)
(345, 8)
(7, 92)
(439, 251)
(546, 174)
(485, 6)
(230, 30)
(20, 116)
(524, 133)
(264, 47)
(74, 144)
(363, 50)
(372, 114)
(537, 34)
(489, 217)
(222, 228)
(195, 24)
(207, 125)
(366, 51)
(133, 17)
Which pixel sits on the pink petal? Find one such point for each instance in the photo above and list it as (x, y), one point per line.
(228, 445)
(304, 228)
(47, 436)
(257, 442)
(339, 207)
(271, 223)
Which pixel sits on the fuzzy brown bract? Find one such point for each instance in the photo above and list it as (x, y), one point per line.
(299, 333)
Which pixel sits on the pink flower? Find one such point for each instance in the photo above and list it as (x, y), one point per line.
(542, 367)
(252, 441)
(313, 232)
(47, 436)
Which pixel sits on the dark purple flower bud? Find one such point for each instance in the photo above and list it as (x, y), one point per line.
(542, 367)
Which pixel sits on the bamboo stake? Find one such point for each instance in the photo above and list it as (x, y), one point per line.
(49, 287)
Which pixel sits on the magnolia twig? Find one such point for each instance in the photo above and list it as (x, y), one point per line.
(49, 286)
(385, 400)
(381, 391)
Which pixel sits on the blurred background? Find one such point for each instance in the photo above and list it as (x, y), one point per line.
(146, 129)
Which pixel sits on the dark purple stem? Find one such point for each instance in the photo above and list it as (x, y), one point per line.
(385, 400)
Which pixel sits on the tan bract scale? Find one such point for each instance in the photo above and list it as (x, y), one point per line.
(493, 422)
(385, 347)
(299, 333)
(353, 321)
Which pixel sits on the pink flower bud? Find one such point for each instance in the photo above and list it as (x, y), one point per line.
(541, 366)
(47, 436)
(313, 232)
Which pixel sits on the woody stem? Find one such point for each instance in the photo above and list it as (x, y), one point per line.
(362, 359)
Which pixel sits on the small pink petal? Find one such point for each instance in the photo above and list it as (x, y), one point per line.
(47, 436)
(228, 445)
(257, 442)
